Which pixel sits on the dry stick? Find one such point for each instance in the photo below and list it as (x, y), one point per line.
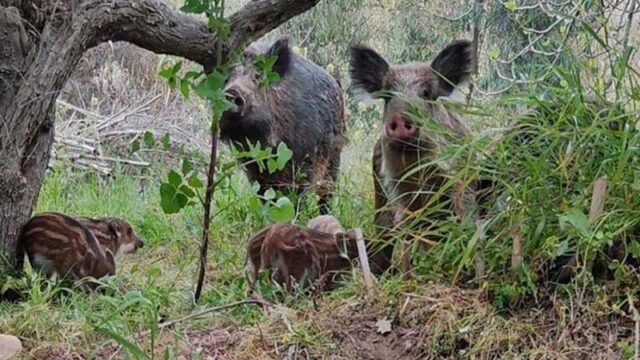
(636, 320)
(598, 196)
(479, 6)
(213, 309)
(364, 259)
(478, 260)
(210, 185)
(516, 254)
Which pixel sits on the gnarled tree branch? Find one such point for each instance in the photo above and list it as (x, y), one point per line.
(154, 26)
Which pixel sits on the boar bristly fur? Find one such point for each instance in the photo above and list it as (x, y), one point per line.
(76, 248)
(400, 186)
(304, 109)
(303, 255)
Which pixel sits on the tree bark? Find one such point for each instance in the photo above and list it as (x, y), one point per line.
(41, 43)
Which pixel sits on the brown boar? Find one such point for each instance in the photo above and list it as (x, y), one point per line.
(57, 244)
(304, 109)
(405, 180)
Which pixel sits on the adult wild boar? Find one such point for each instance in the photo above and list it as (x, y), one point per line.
(304, 109)
(405, 180)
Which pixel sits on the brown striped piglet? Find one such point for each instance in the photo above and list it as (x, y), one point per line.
(75, 248)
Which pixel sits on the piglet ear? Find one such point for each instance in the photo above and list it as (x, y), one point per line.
(453, 65)
(368, 69)
(281, 50)
(114, 227)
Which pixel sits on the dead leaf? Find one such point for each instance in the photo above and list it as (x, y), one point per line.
(384, 326)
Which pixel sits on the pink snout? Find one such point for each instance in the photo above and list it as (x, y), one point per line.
(400, 128)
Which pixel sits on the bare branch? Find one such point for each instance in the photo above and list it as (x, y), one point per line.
(457, 17)
(153, 25)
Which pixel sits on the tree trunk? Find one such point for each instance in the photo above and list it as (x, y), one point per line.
(41, 43)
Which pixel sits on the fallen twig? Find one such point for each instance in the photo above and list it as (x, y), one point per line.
(598, 198)
(170, 323)
(516, 253)
(364, 259)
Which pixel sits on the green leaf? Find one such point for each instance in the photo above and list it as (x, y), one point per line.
(270, 194)
(166, 142)
(154, 272)
(578, 220)
(131, 347)
(282, 210)
(284, 154)
(212, 87)
(272, 165)
(563, 247)
(192, 75)
(149, 140)
(228, 166)
(195, 183)
(187, 191)
(135, 146)
(494, 53)
(264, 64)
(168, 199)
(594, 35)
(634, 249)
(167, 191)
(186, 167)
(511, 5)
(172, 201)
(254, 204)
(185, 88)
(196, 6)
(174, 178)
(182, 200)
(222, 26)
(170, 73)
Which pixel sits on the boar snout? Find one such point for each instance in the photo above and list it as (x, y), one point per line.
(400, 128)
(237, 101)
(139, 243)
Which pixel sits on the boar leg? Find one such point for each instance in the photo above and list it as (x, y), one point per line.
(326, 170)
(383, 218)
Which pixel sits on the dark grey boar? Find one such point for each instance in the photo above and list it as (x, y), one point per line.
(400, 190)
(304, 109)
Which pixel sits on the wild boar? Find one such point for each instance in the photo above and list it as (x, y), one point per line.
(304, 109)
(316, 255)
(405, 180)
(299, 255)
(57, 244)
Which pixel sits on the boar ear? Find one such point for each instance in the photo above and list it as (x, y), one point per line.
(453, 65)
(367, 69)
(281, 50)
